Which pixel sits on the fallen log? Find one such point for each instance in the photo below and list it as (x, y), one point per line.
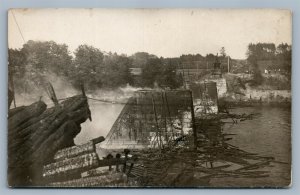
(17, 139)
(34, 161)
(36, 134)
(14, 111)
(47, 126)
(27, 143)
(30, 111)
(55, 142)
(31, 122)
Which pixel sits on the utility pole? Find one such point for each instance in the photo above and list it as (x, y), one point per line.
(228, 65)
(197, 70)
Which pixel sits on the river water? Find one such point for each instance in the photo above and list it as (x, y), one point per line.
(268, 134)
(103, 117)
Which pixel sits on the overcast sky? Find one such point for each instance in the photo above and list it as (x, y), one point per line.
(163, 32)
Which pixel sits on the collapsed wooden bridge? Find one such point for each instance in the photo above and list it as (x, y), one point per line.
(41, 149)
(152, 119)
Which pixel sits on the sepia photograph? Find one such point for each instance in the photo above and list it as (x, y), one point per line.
(159, 98)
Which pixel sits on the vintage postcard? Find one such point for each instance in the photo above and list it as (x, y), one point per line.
(149, 98)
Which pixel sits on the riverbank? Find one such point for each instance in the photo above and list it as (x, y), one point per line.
(274, 90)
(256, 97)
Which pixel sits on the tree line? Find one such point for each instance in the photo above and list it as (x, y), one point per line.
(280, 58)
(31, 65)
(268, 51)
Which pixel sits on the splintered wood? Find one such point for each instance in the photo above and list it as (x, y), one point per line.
(110, 180)
(74, 151)
(80, 166)
(71, 165)
(36, 133)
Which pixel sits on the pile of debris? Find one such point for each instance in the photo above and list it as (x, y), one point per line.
(80, 166)
(183, 166)
(36, 133)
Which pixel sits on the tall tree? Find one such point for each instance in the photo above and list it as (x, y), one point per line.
(284, 56)
(87, 66)
(210, 57)
(48, 56)
(223, 52)
(17, 62)
(36, 60)
(257, 52)
(261, 51)
(140, 59)
(116, 71)
(168, 77)
(151, 72)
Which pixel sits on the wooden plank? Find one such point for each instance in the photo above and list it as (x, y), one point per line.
(75, 151)
(113, 179)
(69, 166)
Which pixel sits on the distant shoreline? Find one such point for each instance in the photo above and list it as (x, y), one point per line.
(255, 103)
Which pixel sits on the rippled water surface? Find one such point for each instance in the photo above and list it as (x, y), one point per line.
(268, 134)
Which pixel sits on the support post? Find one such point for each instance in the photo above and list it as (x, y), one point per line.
(228, 65)
(156, 121)
(82, 89)
(51, 94)
(118, 156)
(12, 94)
(164, 115)
(193, 119)
(109, 157)
(126, 152)
(169, 113)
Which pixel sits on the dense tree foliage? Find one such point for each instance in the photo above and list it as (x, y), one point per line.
(32, 64)
(284, 55)
(260, 51)
(86, 67)
(35, 61)
(151, 72)
(47, 56)
(140, 59)
(168, 77)
(17, 60)
(279, 57)
(268, 51)
(115, 71)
